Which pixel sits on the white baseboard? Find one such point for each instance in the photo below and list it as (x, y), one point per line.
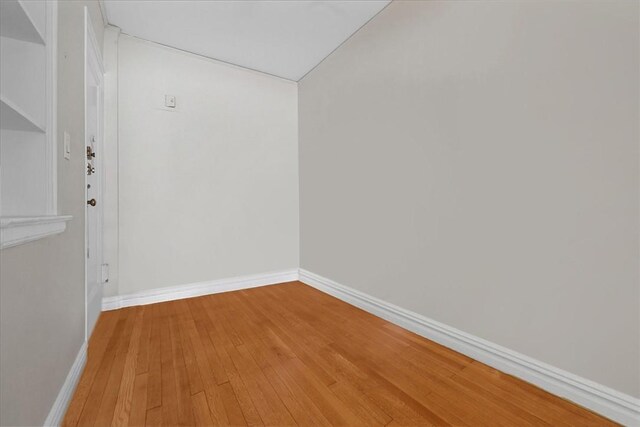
(612, 404)
(66, 392)
(198, 289)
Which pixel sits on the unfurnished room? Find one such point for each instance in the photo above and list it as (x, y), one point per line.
(319, 213)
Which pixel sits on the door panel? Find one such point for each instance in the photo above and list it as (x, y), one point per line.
(94, 177)
(94, 205)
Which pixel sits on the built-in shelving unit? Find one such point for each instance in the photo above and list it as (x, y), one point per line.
(28, 208)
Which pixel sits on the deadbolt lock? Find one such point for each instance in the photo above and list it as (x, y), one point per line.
(90, 153)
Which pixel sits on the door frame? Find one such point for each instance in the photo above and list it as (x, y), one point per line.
(93, 67)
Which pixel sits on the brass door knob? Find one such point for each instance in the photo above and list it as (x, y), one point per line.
(92, 202)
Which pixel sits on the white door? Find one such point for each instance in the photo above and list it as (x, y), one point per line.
(94, 177)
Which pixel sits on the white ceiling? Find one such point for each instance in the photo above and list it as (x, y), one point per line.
(286, 38)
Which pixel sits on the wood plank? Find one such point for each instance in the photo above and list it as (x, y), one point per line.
(201, 410)
(105, 335)
(154, 379)
(125, 392)
(270, 407)
(142, 364)
(139, 401)
(232, 406)
(200, 321)
(112, 388)
(181, 378)
(191, 364)
(168, 384)
(264, 398)
(212, 392)
(216, 333)
(94, 401)
(154, 417)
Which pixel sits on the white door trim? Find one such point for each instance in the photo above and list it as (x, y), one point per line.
(92, 65)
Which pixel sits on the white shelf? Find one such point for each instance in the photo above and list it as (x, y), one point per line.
(27, 105)
(13, 117)
(18, 230)
(16, 23)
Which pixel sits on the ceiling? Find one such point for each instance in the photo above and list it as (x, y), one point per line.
(286, 38)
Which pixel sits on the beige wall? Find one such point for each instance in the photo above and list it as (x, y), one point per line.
(208, 190)
(477, 163)
(42, 283)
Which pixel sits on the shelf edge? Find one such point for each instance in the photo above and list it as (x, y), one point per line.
(18, 230)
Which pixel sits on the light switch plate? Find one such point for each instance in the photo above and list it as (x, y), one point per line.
(170, 101)
(67, 145)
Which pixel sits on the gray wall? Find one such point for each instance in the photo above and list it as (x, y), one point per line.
(477, 163)
(42, 283)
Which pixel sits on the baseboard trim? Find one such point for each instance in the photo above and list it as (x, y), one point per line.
(198, 289)
(61, 403)
(612, 404)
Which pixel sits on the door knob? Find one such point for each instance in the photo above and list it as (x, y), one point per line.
(92, 202)
(90, 169)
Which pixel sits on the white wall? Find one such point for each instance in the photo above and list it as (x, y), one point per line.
(42, 312)
(477, 163)
(208, 190)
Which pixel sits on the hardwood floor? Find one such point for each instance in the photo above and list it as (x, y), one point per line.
(289, 354)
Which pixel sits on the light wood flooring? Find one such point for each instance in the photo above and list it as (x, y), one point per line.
(288, 354)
